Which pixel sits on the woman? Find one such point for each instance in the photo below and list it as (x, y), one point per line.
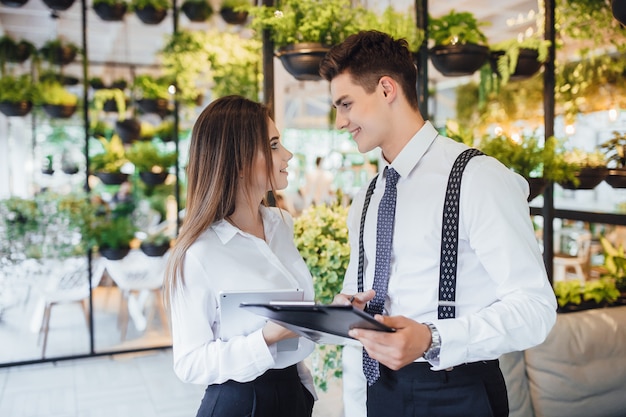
(231, 241)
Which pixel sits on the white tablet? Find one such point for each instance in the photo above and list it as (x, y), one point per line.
(232, 316)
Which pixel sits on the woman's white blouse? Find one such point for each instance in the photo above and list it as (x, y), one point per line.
(226, 258)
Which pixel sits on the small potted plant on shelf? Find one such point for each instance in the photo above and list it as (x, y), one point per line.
(460, 46)
(110, 10)
(615, 152)
(304, 30)
(197, 10)
(590, 169)
(107, 165)
(57, 101)
(58, 51)
(155, 244)
(572, 295)
(150, 12)
(151, 163)
(17, 95)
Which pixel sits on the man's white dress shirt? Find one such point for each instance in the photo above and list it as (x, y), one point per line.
(504, 301)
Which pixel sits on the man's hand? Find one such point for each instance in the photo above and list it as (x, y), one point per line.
(398, 349)
(358, 300)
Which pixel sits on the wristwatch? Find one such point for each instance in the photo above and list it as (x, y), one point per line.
(432, 354)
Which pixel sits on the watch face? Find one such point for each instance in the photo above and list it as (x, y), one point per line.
(432, 354)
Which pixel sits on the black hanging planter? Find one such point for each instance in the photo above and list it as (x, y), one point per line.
(618, 7)
(114, 254)
(18, 52)
(59, 55)
(154, 250)
(197, 10)
(152, 179)
(458, 60)
(70, 169)
(527, 64)
(14, 3)
(150, 15)
(616, 178)
(129, 130)
(232, 17)
(154, 105)
(15, 108)
(110, 12)
(302, 60)
(60, 111)
(589, 179)
(59, 5)
(537, 186)
(111, 178)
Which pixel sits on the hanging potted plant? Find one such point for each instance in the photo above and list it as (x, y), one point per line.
(197, 10)
(57, 101)
(110, 100)
(107, 165)
(17, 95)
(531, 158)
(304, 30)
(156, 244)
(234, 11)
(151, 162)
(58, 52)
(110, 10)
(460, 46)
(518, 59)
(615, 151)
(590, 169)
(152, 94)
(150, 12)
(59, 5)
(113, 234)
(396, 24)
(14, 3)
(14, 52)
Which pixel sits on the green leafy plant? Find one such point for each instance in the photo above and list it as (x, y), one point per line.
(510, 50)
(17, 88)
(327, 22)
(53, 92)
(529, 156)
(105, 94)
(614, 263)
(50, 49)
(573, 292)
(10, 51)
(114, 232)
(147, 157)
(109, 2)
(321, 236)
(456, 28)
(135, 5)
(157, 239)
(113, 157)
(150, 87)
(615, 150)
(397, 24)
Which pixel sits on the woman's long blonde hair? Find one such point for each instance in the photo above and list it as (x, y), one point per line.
(225, 140)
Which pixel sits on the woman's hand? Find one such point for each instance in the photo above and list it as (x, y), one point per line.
(273, 333)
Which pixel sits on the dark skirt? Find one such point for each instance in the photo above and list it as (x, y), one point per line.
(276, 393)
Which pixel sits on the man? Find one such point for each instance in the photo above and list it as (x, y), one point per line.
(442, 358)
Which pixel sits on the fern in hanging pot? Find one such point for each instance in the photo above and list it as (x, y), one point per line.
(321, 236)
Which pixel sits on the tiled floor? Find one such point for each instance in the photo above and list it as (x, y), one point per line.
(130, 385)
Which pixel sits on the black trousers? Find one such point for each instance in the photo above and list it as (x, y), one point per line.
(276, 393)
(470, 390)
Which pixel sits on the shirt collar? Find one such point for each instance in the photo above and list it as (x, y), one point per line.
(413, 151)
(226, 231)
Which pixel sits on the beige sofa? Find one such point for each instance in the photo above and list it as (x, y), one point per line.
(580, 370)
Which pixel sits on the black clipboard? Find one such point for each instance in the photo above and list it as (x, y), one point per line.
(317, 321)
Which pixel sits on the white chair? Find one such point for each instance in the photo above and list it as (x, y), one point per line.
(67, 283)
(138, 276)
(568, 266)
